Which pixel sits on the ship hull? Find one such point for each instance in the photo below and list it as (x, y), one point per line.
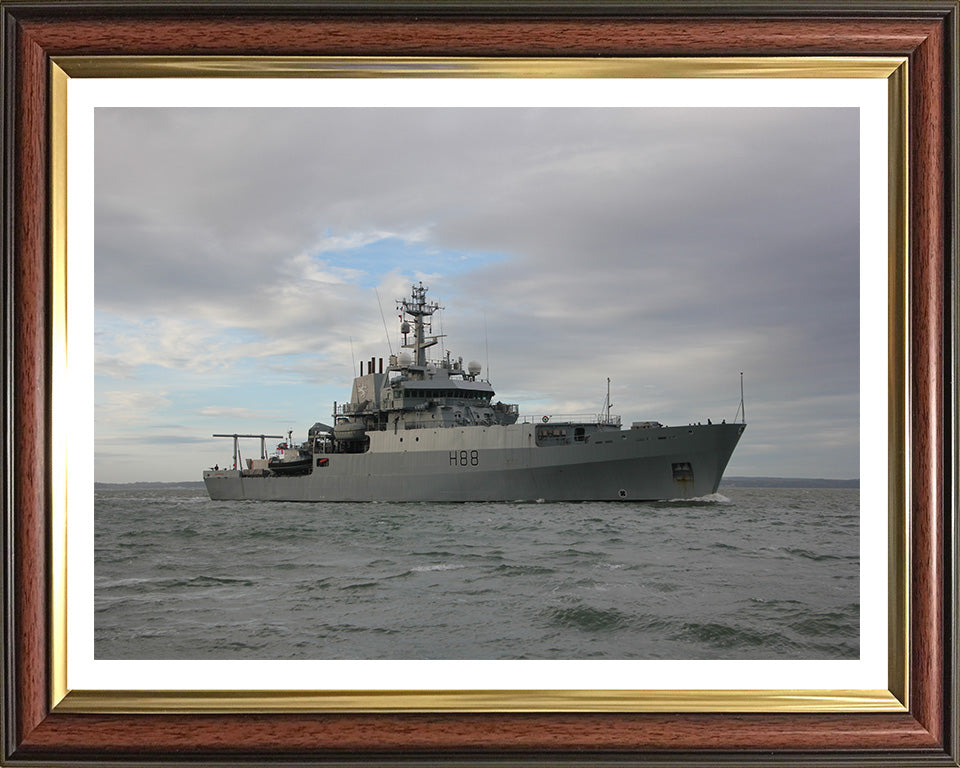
(504, 463)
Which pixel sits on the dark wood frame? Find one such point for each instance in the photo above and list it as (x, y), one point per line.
(925, 32)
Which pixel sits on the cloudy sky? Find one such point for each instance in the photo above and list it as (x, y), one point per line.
(239, 253)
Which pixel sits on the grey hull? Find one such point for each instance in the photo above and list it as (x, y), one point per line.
(503, 463)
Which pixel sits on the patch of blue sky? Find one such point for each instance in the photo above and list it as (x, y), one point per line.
(365, 265)
(241, 336)
(107, 328)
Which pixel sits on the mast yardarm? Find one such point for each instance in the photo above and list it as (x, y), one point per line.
(420, 310)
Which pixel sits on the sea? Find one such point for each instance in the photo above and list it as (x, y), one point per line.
(749, 573)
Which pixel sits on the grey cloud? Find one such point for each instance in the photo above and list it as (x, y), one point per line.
(152, 440)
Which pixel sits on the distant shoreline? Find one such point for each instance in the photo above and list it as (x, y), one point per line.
(727, 482)
(787, 482)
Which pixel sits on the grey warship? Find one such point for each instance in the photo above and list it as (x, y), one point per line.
(430, 430)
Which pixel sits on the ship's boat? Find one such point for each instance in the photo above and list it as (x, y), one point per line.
(431, 430)
(279, 466)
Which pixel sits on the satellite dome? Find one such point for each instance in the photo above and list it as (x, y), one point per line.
(406, 358)
(473, 367)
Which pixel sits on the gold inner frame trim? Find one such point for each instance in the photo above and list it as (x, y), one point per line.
(892, 69)
(60, 397)
(131, 702)
(428, 66)
(898, 385)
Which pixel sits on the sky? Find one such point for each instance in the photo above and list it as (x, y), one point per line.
(242, 258)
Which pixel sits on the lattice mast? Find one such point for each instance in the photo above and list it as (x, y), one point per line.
(418, 308)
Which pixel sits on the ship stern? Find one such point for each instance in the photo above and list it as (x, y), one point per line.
(223, 484)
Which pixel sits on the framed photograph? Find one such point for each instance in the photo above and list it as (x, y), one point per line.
(217, 215)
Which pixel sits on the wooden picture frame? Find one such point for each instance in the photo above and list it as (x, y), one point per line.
(36, 33)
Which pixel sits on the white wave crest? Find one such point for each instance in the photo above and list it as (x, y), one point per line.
(437, 567)
(713, 498)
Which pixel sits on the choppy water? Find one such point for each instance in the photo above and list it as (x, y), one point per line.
(756, 574)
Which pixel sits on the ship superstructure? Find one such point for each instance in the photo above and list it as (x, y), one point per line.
(430, 430)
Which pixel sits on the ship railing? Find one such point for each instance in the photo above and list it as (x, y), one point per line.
(575, 418)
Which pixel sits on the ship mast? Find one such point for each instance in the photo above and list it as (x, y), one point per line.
(608, 400)
(743, 410)
(419, 308)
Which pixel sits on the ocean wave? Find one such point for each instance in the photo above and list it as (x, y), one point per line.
(361, 585)
(212, 581)
(433, 553)
(437, 567)
(578, 553)
(590, 619)
(818, 557)
(724, 546)
(726, 636)
(831, 624)
(522, 570)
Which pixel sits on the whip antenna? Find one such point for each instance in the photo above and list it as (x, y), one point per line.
(743, 411)
(486, 344)
(382, 317)
(740, 410)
